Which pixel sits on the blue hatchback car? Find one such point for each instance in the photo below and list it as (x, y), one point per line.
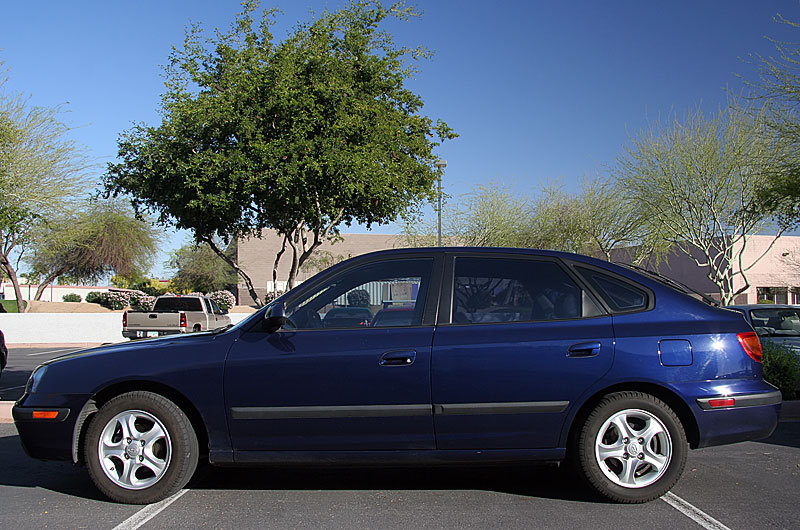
(503, 355)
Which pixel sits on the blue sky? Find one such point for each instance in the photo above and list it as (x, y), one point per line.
(537, 90)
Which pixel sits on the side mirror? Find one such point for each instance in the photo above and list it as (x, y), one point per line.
(274, 318)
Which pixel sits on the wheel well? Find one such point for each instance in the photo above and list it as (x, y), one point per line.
(113, 391)
(669, 397)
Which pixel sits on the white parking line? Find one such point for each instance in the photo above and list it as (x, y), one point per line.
(148, 512)
(12, 388)
(692, 512)
(69, 350)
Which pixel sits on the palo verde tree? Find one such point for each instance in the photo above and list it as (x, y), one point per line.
(696, 181)
(101, 238)
(778, 90)
(42, 174)
(298, 136)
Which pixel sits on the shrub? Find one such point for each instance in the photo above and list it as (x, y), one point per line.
(272, 295)
(358, 298)
(781, 368)
(94, 297)
(71, 297)
(116, 300)
(141, 301)
(224, 299)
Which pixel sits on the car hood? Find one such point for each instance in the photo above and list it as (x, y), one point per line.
(139, 344)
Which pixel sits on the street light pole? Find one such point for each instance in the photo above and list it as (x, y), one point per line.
(440, 165)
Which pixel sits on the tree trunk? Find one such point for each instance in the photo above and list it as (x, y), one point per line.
(275, 266)
(47, 281)
(248, 282)
(293, 241)
(12, 275)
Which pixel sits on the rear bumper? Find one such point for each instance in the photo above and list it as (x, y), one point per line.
(752, 415)
(143, 333)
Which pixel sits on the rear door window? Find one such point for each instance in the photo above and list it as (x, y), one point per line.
(491, 290)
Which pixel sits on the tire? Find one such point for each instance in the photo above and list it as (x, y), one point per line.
(140, 448)
(197, 328)
(632, 448)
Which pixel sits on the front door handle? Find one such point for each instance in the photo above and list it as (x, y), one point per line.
(584, 349)
(398, 358)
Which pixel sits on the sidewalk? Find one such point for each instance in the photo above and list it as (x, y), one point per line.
(790, 411)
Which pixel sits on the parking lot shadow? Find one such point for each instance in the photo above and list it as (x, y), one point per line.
(545, 481)
(787, 434)
(19, 470)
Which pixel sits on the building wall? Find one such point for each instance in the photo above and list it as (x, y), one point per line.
(257, 257)
(53, 293)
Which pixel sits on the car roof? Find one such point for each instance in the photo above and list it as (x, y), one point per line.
(762, 306)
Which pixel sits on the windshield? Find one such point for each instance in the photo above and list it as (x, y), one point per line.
(776, 322)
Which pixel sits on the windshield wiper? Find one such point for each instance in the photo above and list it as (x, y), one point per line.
(672, 283)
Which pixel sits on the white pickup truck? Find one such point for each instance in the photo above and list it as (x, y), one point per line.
(174, 314)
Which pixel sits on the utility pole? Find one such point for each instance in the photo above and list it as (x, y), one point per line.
(440, 165)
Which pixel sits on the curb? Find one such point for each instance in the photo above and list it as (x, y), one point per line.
(790, 411)
(5, 412)
(54, 344)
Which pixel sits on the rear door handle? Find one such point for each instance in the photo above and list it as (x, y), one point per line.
(398, 358)
(584, 349)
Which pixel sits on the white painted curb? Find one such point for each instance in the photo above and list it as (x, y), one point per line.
(5, 412)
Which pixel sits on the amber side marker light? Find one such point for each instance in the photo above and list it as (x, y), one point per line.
(45, 414)
(750, 344)
(723, 402)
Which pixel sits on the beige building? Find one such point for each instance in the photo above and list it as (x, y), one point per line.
(774, 277)
(257, 258)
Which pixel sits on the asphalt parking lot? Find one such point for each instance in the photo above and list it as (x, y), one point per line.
(741, 486)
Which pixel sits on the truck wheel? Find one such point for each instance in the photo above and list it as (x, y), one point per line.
(632, 448)
(196, 328)
(140, 448)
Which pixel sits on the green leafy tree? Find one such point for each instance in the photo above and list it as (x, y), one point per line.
(42, 174)
(199, 269)
(298, 136)
(104, 237)
(696, 181)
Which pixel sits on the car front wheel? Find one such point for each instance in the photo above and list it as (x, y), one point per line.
(632, 448)
(140, 448)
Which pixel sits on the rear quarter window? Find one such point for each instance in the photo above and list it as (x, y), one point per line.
(620, 295)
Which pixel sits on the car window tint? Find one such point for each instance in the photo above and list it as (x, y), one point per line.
(382, 294)
(618, 294)
(514, 290)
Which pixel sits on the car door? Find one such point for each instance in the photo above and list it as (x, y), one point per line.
(519, 341)
(340, 384)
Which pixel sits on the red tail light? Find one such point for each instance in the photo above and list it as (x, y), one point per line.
(125, 319)
(751, 345)
(183, 325)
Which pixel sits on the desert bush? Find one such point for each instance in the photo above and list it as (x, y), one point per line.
(94, 297)
(358, 298)
(71, 297)
(224, 299)
(781, 368)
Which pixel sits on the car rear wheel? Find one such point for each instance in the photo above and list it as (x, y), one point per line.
(140, 448)
(632, 448)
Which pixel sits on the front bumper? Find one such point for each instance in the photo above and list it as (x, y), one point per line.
(44, 437)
